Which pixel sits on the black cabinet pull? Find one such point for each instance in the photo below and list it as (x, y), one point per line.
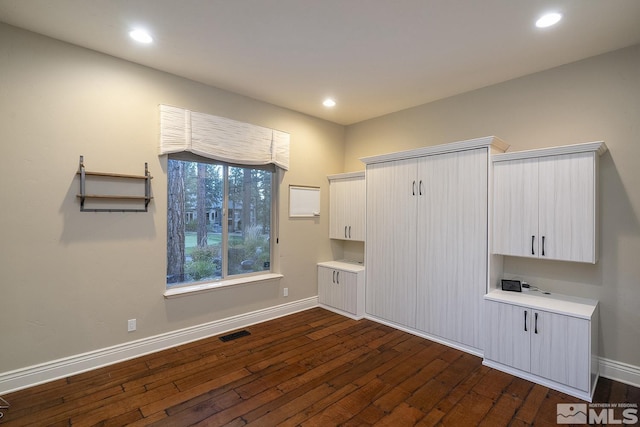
(345, 231)
(542, 245)
(334, 276)
(536, 324)
(349, 231)
(532, 240)
(420, 188)
(414, 188)
(338, 277)
(525, 320)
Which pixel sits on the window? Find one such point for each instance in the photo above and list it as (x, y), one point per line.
(218, 220)
(221, 175)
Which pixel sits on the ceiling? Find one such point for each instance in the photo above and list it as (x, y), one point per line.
(372, 56)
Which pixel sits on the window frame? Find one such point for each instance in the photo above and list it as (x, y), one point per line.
(227, 279)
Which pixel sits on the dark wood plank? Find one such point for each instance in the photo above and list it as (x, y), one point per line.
(469, 411)
(451, 399)
(313, 368)
(532, 404)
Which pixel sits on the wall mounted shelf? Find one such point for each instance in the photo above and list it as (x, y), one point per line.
(115, 198)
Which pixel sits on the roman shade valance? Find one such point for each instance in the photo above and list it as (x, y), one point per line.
(221, 139)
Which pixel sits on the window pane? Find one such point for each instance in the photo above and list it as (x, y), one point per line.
(194, 222)
(249, 220)
(204, 244)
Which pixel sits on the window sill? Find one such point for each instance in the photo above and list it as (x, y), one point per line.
(205, 287)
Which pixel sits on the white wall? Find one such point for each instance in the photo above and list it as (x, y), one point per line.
(590, 100)
(70, 280)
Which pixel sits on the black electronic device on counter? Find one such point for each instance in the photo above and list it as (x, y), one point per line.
(511, 285)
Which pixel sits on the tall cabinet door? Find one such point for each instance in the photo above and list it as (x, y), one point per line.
(391, 241)
(566, 205)
(452, 245)
(515, 208)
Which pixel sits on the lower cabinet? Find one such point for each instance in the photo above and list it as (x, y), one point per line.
(548, 339)
(341, 287)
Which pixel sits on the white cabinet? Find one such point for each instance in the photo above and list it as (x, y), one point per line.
(341, 287)
(545, 203)
(452, 245)
(426, 250)
(515, 207)
(347, 206)
(391, 241)
(549, 339)
(508, 340)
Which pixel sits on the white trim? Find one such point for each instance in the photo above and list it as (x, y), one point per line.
(566, 305)
(353, 267)
(346, 175)
(619, 371)
(599, 147)
(611, 369)
(439, 340)
(341, 312)
(563, 388)
(38, 374)
(487, 141)
(179, 291)
(61, 368)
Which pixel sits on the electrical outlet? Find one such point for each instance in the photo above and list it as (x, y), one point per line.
(285, 292)
(131, 325)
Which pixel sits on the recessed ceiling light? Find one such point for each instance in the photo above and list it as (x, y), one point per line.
(329, 103)
(548, 20)
(140, 36)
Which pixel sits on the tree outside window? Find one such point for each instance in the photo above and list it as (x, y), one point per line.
(218, 221)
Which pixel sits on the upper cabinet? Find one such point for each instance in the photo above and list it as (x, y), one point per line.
(347, 206)
(545, 203)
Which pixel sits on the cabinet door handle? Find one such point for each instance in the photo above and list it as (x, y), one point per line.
(542, 245)
(525, 320)
(533, 238)
(420, 188)
(350, 232)
(334, 276)
(338, 277)
(414, 188)
(536, 323)
(345, 231)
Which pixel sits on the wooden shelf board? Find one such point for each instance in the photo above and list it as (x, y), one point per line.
(112, 197)
(116, 175)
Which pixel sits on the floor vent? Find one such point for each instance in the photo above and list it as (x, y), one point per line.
(234, 335)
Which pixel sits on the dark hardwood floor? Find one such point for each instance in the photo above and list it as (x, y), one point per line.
(313, 368)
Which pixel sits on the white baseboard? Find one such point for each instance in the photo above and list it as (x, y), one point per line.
(439, 340)
(619, 371)
(571, 391)
(61, 368)
(340, 312)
